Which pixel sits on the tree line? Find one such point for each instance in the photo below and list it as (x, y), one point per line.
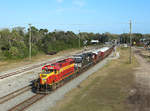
(138, 38)
(14, 43)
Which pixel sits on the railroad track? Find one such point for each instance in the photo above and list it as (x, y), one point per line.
(14, 94)
(24, 70)
(28, 102)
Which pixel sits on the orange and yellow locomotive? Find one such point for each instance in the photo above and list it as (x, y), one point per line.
(52, 76)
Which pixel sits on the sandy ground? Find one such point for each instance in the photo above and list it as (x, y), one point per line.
(140, 94)
(142, 73)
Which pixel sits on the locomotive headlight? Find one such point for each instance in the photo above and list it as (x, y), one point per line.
(43, 78)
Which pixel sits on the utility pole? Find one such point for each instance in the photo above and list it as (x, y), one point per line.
(130, 58)
(79, 38)
(30, 42)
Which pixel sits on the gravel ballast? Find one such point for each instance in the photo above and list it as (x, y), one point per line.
(13, 102)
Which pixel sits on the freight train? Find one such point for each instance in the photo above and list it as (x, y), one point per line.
(56, 74)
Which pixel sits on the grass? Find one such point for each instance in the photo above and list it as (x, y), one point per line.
(105, 90)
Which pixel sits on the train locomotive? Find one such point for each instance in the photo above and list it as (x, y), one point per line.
(52, 75)
(56, 74)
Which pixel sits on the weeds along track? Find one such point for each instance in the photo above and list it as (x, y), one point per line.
(14, 94)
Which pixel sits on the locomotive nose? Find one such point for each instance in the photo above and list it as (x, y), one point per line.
(43, 78)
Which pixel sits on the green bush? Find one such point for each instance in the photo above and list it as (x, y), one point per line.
(12, 53)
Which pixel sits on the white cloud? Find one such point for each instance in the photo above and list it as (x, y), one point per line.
(79, 3)
(59, 1)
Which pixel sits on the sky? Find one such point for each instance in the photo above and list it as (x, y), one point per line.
(96, 16)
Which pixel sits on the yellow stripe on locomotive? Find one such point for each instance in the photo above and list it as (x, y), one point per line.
(53, 72)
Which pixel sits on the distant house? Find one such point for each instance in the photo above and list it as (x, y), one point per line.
(94, 41)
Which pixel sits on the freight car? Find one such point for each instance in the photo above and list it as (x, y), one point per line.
(54, 75)
(83, 60)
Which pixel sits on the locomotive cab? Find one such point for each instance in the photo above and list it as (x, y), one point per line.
(47, 73)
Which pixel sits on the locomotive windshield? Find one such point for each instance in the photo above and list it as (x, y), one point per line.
(47, 71)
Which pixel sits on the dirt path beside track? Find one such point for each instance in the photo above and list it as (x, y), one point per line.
(140, 94)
